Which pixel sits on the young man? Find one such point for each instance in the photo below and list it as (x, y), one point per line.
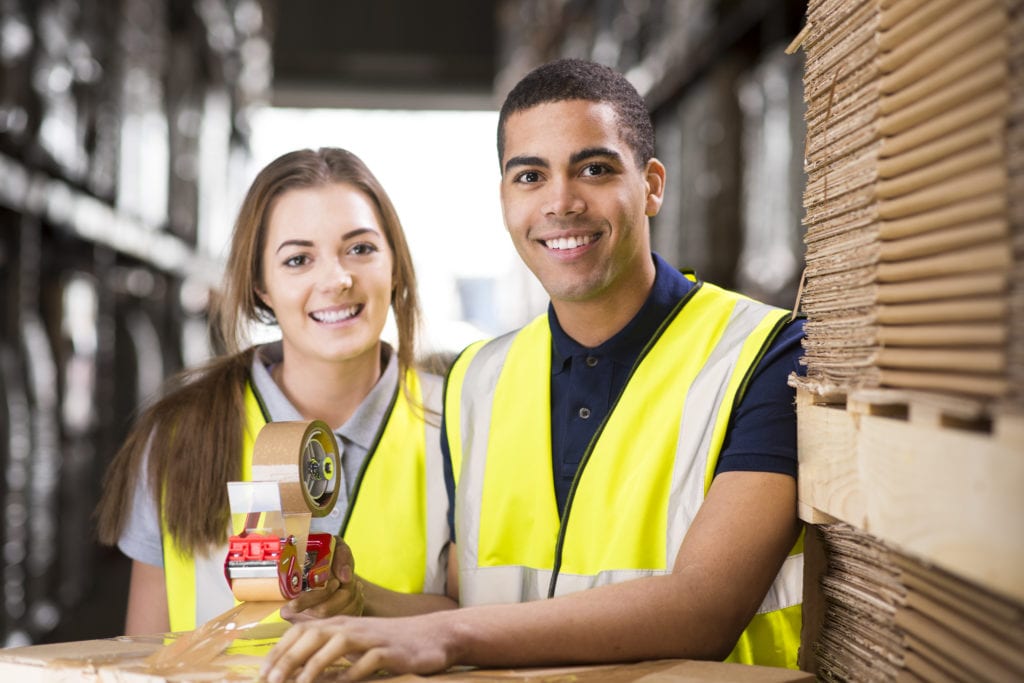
(630, 455)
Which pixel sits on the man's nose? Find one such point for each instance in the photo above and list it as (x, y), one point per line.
(562, 199)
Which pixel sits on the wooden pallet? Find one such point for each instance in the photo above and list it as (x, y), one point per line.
(942, 478)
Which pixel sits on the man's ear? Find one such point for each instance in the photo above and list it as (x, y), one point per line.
(655, 175)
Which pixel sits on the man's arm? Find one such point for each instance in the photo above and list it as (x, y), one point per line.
(729, 558)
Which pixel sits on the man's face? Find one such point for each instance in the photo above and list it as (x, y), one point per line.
(575, 202)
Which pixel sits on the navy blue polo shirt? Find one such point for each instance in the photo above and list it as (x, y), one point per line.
(585, 383)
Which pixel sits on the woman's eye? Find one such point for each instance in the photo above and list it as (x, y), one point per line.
(363, 248)
(296, 261)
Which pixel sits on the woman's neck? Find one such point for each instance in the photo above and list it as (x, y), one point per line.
(331, 392)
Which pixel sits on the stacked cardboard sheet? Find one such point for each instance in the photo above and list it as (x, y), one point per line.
(910, 160)
(890, 617)
(1015, 145)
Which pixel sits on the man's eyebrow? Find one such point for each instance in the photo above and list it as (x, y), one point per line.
(591, 152)
(524, 161)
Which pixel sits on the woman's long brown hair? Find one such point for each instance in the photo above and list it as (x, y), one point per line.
(193, 433)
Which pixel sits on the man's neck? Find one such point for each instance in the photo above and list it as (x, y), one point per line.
(591, 323)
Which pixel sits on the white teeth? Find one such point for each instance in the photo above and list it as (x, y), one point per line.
(335, 315)
(569, 242)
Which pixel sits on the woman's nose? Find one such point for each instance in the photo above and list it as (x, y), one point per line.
(336, 278)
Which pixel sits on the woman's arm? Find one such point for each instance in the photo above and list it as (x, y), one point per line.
(348, 594)
(147, 601)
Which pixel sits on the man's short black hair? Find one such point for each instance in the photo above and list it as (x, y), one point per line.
(577, 79)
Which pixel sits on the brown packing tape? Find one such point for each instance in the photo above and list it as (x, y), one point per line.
(943, 194)
(978, 109)
(987, 130)
(281, 453)
(989, 205)
(936, 32)
(992, 49)
(939, 381)
(991, 77)
(908, 18)
(942, 335)
(939, 241)
(955, 360)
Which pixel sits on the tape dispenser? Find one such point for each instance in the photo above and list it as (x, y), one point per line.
(271, 553)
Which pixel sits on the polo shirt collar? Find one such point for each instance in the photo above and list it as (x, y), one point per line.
(669, 287)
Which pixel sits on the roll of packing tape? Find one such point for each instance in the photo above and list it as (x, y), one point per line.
(303, 458)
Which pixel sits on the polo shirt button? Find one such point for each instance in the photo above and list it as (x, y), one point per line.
(584, 413)
(335, 513)
(591, 361)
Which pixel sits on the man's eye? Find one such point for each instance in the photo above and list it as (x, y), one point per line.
(528, 177)
(594, 170)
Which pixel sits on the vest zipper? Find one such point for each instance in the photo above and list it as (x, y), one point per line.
(564, 522)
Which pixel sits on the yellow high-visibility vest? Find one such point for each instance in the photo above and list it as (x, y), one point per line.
(639, 485)
(397, 516)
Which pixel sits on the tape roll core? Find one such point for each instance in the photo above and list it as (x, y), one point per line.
(302, 457)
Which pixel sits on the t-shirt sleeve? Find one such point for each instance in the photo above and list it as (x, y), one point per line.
(762, 429)
(141, 539)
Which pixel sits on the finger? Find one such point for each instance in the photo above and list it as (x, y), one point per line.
(347, 601)
(310, 598)
(367, 665)
(338, 649)
(343, 564)
(283, 643)
(288, 655)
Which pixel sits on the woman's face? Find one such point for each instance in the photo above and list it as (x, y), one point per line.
(327, 273)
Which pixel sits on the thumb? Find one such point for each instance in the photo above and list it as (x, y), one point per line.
(343, 564)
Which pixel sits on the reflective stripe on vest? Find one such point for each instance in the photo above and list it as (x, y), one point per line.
(397, 515)
(511, 539)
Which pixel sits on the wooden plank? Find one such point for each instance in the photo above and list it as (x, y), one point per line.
(947, 495)
(829, 485)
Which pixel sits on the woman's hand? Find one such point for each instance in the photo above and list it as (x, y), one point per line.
(341, 595)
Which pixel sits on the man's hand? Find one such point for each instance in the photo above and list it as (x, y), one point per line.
(406, 645)
(341, 595)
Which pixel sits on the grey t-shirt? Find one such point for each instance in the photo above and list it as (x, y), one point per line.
(141, 539)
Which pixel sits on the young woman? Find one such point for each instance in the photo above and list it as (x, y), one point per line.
(319, 251)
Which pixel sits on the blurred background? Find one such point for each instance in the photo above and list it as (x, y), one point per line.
(129, 130)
